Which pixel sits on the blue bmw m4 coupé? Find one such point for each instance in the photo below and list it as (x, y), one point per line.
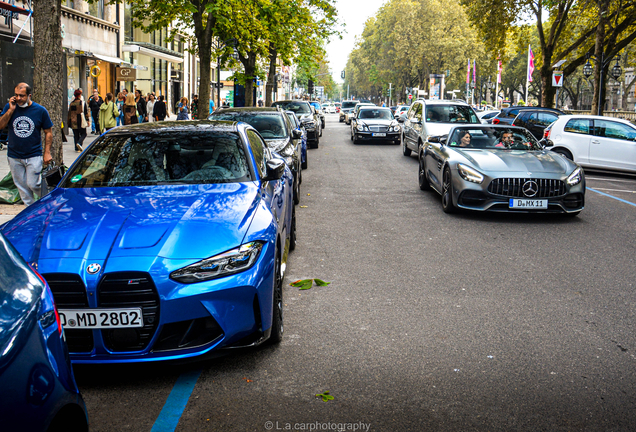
(165, 241)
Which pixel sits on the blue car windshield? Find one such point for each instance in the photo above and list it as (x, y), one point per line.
(169, 158)
(271, 125)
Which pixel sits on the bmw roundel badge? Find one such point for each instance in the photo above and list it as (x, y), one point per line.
(93, 268)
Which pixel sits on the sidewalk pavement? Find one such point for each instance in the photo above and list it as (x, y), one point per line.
(8, 211)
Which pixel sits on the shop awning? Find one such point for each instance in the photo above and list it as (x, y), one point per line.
(152, 53)
(12, 8)
(109, 59)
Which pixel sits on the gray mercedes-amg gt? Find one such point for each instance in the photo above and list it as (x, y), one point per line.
(499, 168)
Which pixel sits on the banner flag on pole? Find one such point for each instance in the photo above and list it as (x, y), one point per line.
(530, 63)
(499, 72)
(468, 73)
(475, 71)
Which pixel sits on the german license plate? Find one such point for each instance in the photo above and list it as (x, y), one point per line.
(379, 134)
(530, 204)
(101, 318)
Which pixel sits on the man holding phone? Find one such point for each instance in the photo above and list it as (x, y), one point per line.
(26, 119)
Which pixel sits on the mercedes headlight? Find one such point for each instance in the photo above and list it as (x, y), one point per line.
(470, 174)
(575, 178)
(224, 264)
(360, 127)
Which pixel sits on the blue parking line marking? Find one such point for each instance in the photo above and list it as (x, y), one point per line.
(611, 196)
(175, 404)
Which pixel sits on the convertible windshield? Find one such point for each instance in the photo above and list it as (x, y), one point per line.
(170, 158)
(380, 114)
(270, 125)
(494, 138)
(450, 114)
(296, 107)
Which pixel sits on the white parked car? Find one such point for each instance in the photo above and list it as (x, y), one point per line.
(604, 143)
(486, 115)
(329, 108)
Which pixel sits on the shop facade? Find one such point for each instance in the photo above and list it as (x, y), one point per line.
(16, 46)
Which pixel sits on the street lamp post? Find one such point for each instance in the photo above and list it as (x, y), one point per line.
(615, 73)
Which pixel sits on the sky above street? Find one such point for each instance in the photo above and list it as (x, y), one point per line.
(353, 13)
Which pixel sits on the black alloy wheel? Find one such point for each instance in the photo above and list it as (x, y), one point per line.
(277, 307)
(292, 233)
(421, 176)
(447, 192)
(296, 189)
(405, 150)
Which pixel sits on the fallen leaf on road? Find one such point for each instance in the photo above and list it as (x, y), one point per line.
(303, 206)
(325, 396)
(305, 284)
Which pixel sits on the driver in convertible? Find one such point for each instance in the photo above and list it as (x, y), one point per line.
(507, 141)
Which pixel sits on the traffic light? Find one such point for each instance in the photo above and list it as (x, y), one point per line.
(342, 74)
(310, 87)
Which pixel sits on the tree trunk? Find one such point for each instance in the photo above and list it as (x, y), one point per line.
(48, 73)
(250, 70)
(205, 57)
(547, 91)
(599, 90)
(269, 88)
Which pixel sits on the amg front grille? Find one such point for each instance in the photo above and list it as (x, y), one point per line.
(69, 292)
(513, 187)
(124, 290)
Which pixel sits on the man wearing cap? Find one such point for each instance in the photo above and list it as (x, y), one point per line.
(26, 119)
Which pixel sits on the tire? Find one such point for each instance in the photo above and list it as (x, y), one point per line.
(340, 120)
(320, 131)
(405, 150)
(352, 138)
(447, 192)
(292, 235)
(565, 153)
(276, 334)
(355, 140)
(421, 176)
(303, 165)
(296, 190)
(323, 125)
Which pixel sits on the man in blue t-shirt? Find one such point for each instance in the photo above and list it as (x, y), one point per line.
(26, 119)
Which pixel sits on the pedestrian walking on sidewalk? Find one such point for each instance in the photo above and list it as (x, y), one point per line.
(94, 102)
(26, 119)
(108, 113)
(78, 119)
(141, 107)
(130, 110)
(182, 109)
(159, 109)
(121, 98)
(150, 105)
(194, 107)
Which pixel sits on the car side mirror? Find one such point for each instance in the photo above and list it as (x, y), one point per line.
(433, 139)
(275, 168)
(546, 142)
(297, 134)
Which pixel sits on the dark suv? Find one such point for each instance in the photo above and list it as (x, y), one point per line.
(536, 120)
(507, 115)
(307, 117)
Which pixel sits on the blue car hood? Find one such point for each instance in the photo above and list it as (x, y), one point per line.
(175, 222)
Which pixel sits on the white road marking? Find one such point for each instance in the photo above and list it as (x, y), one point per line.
(615, 190)
(609, 179)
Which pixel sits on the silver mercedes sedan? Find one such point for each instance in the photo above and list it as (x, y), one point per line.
(501, 169)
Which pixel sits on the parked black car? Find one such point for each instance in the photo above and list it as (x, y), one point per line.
(508, 115)
(307, 116)
(275, 128)
(536, 120)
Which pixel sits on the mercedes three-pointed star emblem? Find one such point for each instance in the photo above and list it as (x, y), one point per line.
(530, 188)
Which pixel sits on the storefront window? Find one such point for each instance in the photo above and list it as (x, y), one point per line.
(128, 27)
(72, 76)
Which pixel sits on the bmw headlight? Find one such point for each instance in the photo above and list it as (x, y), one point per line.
(224, 264)
(575, 178)
(470, 174)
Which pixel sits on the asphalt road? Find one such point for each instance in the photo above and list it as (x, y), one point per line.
(431, 322)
